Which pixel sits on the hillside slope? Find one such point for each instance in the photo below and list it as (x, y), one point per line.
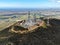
(42, 36)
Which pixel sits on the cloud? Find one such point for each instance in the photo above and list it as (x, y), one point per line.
(54, 0)
(58, 1)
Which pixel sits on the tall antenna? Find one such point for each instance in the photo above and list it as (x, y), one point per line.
(34, 17)
(28, 15)
(48, 21)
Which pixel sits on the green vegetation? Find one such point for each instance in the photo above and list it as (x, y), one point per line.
(44, 25)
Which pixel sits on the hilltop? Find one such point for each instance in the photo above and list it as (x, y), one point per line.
(42, 36)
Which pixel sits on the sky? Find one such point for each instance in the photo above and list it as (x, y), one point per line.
(29, 3)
